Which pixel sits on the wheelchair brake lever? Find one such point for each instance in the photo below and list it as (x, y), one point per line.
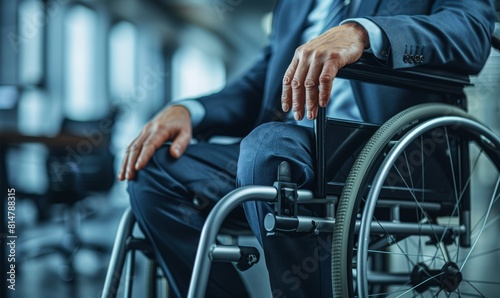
(286, 201)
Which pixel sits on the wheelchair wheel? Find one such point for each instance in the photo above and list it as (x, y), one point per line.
(420, 211)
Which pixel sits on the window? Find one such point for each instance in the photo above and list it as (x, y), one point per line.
(80, 101)
(32, 22)
(33, 106)
(196, 73)
(122, 61)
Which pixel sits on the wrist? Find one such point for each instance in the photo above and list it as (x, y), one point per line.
(360, 32)
(180, 110)
(195, 109)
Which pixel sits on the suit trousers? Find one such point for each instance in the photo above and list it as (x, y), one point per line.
(171, 199)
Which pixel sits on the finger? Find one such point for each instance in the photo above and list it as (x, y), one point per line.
(312, 91)
(153, 141)
(286, 93)
(131, 158)
(298, 89)
(180, 143)
(131, 155)
(147, 151)
(123, 167)
(326, 78)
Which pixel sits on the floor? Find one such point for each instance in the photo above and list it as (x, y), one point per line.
(45, 276)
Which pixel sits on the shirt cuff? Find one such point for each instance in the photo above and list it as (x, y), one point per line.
(195, 108)
(379, 43)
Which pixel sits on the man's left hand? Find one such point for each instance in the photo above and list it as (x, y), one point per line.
(309, 78)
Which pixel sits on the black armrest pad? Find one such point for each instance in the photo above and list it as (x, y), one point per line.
(368, 69)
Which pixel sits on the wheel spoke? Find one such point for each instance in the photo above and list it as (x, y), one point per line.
(482, 228)
(482, 254)
(464, 189)
(401, 254)
(488, 225)
(422, 169)
(476, 289)
(394, 242)
(423, 282)
(421, 209)
(451, 165)
(482, 217)
(409, 171)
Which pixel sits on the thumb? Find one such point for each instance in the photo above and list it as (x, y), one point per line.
(180, 143)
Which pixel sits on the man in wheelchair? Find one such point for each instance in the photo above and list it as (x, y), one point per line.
(174, 184)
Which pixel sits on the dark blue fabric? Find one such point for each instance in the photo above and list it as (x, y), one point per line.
(337, 14)
(300, 265)
(171, 198)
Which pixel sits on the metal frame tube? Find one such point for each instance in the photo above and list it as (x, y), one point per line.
(223, 253)
(129, 275)
(117, 260)
(221, 210)
(320, 135)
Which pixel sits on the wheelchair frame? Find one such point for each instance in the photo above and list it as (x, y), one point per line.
(417, 79)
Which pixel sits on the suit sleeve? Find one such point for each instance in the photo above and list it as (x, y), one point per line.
(233, 111)
(456, 35)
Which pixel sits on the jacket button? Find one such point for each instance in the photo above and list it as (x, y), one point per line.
(417, 59)
(421, 58)
(411, 59)
(405, 58)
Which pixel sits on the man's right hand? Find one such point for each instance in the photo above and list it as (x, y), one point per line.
(172, 123)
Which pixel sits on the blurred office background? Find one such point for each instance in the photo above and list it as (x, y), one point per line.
(98, 70)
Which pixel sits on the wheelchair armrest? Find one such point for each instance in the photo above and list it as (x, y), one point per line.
(368, 69)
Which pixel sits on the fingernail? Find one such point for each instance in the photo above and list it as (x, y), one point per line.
(296, 115)
(285, 107)
(177, 151)
(309, 115)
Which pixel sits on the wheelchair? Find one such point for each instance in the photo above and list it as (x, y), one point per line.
(407, 206)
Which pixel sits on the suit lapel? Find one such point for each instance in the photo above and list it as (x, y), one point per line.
(294, 15)
(289, 26)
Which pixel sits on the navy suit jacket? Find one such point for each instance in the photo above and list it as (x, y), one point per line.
(451, 34)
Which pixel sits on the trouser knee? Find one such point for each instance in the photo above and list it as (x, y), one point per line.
(267, 146)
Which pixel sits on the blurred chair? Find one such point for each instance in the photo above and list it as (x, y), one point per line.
(74, 172)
